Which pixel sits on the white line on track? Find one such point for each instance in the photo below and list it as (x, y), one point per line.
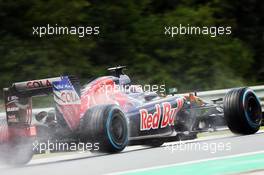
(187, 163)
(79, 155)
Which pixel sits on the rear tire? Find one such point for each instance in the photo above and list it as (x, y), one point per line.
(242, 111)
(106, 125)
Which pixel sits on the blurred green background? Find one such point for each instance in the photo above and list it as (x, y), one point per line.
(132, 34)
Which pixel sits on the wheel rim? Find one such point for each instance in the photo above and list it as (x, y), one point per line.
(253, 110)
(118, 129)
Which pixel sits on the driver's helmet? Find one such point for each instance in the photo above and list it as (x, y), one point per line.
(124, 80)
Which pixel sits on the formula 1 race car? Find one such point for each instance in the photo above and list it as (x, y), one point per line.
(113, 113)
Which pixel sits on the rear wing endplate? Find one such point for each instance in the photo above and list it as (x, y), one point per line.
(18, 97)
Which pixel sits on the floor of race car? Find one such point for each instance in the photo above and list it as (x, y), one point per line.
(246, 155)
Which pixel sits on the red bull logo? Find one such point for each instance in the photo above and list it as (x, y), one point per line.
(163, 116)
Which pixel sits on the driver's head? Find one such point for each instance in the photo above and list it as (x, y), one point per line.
(124, 80)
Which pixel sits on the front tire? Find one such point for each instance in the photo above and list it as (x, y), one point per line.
(106, 125)
(242, 111)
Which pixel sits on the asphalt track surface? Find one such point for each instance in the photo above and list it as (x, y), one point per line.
(139, 157)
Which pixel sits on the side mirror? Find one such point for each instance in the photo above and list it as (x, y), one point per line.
(41, 115)
(217, 100)
(173, 91)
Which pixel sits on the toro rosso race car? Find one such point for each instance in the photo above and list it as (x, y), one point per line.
(102, 112)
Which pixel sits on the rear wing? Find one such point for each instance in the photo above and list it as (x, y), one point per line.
(18, 97)
(37, 87)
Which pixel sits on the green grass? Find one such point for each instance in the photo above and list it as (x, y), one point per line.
(2, 108)
(230, 165)
(43, 101)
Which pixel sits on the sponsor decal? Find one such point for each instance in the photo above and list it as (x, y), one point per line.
(67, 101)
(168, 115)
(64, 92)
(12, 109)
(11, 117)
(12, 98)
(150, 121)
(39, 84)
(163, 116)
(69, 97)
